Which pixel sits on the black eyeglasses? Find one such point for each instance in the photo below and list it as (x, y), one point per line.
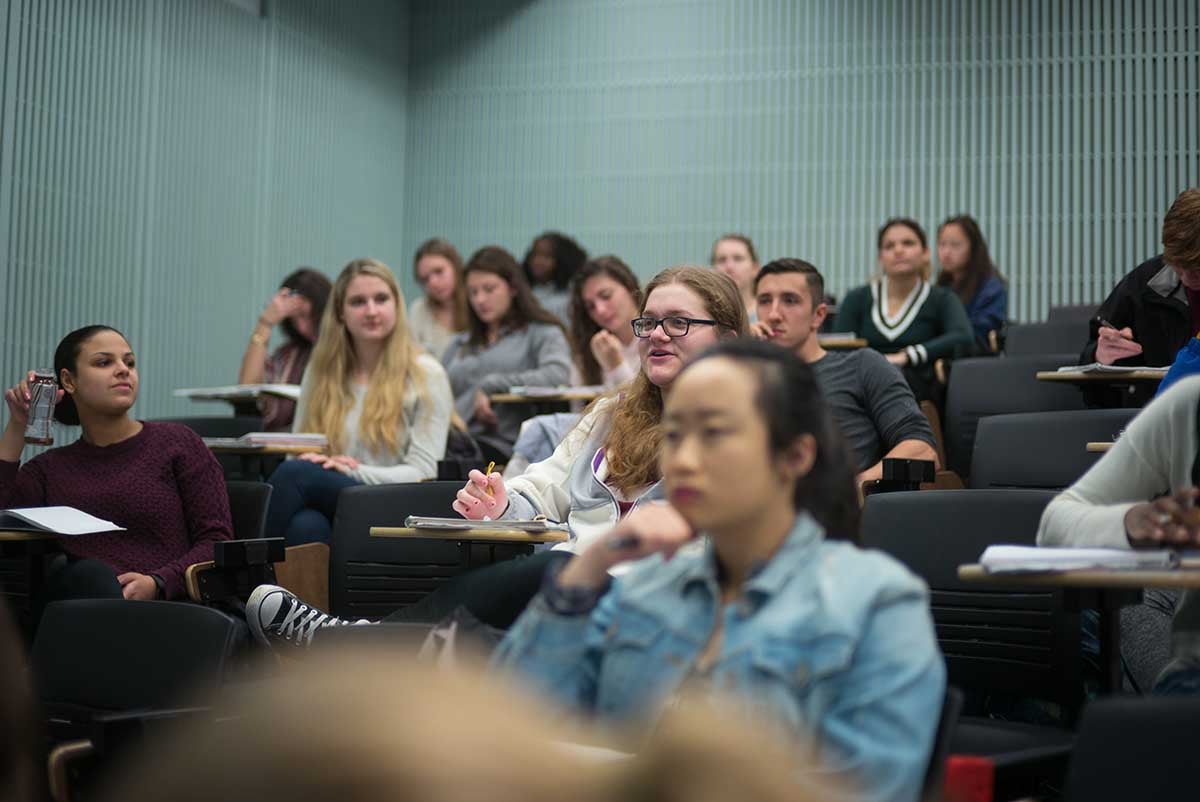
(674, 326)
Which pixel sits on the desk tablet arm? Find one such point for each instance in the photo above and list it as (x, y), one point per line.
(237, 568)
(902, 474)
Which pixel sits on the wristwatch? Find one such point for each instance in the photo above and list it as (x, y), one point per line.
(161, 584)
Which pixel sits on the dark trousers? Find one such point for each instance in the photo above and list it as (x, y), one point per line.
(304, 501)
(495, 594)
(76, 579)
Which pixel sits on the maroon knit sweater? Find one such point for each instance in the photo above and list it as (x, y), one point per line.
(163, 485)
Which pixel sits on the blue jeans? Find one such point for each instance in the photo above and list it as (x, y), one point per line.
(304, 501)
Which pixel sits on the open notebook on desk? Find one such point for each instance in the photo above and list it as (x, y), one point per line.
(317, 442)
(57, 520)
(535, 391)
(1031, 559)
(1096, 367)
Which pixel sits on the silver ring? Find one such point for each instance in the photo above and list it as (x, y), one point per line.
(1162, 519)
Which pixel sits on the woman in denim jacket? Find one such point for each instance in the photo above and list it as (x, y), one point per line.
(834, 643)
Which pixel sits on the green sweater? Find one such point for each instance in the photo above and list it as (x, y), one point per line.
(932, 323)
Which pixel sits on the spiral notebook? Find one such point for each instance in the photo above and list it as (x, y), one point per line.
(539, 524)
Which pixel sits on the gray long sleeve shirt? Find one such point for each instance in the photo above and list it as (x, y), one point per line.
(536, 355)
(871, 402)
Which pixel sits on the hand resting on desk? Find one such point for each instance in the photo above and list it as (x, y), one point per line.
(1167, 521)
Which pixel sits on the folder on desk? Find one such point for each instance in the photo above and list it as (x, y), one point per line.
(537, 525)
(56, 520)
(1031, 559)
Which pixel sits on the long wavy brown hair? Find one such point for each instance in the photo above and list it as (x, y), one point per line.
(445, 249)
(583, 328)
(332, 366)
(635, 437)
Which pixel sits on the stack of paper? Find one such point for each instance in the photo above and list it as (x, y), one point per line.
(235, 392)
(1096, 367)
(1023, 559)
(532, 391)
(59, 520)
(538, 524)
(316, 442)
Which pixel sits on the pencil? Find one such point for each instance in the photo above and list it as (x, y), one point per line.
(491, 467)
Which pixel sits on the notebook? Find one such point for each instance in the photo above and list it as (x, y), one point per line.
(1096, 367)
(534, 391)
(460, 524)
(59, 520)
(1028, 559)
(248, 392)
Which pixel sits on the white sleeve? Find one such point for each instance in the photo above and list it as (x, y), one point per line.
(1152, 457)
(544, 488)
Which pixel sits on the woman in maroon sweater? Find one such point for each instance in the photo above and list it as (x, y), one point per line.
(158, 480)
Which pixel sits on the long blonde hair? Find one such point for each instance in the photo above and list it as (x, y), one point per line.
(329, 371)
(635, 438)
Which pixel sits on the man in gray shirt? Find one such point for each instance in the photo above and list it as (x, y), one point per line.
(869, 397)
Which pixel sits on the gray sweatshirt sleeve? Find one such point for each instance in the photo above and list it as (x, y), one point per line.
(891, 403)
(550, 357)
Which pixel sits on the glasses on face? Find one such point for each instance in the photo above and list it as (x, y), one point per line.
(674, 326)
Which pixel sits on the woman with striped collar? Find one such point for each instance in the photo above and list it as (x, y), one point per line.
(901, 314)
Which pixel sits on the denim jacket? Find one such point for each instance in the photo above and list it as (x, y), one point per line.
(833, 642)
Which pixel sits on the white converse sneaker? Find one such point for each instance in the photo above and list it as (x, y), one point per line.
(276, 617)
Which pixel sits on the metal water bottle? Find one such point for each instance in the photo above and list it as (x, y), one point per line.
(42, 392)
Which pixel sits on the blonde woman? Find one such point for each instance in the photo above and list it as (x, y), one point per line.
(381, 400)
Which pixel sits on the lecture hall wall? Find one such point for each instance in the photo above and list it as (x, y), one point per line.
(163, 163)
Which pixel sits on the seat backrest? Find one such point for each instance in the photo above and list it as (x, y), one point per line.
(113, 654)
(1075, 313)
(994, 638)
(370, 577)
(988, 386)
(1046, 450)
(248, 502)
(214, 426)
(1058, 337)
(1135, 748)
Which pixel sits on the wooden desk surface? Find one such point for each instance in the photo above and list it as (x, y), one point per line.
(13, 537)
(506, 536)
(586, 396)
(1186, 576)
(1132, 377)
(833, 342)
(272, 449)
(1100, 447)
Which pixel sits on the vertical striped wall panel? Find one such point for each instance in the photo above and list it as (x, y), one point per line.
(649, 127)
(164, 163)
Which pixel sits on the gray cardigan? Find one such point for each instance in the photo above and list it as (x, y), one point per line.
(536, 355)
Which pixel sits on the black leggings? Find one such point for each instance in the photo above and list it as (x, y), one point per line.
(495, 594)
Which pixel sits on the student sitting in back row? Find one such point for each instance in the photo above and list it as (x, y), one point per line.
(510, 340)
(382, 402)
(911, 322)
(1155, 308)
(870, 400)
(157, 480)
(604, 301)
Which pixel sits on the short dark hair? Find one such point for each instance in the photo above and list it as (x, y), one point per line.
(66, 357)
(816, 284)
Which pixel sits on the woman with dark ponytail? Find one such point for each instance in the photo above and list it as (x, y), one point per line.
(771, 605)
(158, 481)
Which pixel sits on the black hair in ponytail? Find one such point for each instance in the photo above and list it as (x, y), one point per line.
(792, 405)
(66, 357)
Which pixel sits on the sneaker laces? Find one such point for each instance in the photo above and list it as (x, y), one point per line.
(301, 622)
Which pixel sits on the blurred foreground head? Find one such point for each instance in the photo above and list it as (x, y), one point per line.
(370, 727)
